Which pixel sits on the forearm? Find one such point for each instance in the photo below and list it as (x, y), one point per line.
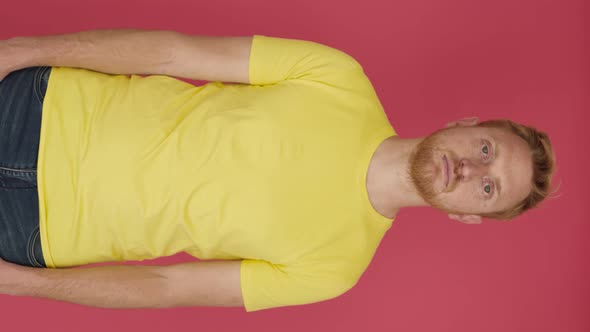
(169, 53)
(129, 286)
(119, 286)
(123, 51)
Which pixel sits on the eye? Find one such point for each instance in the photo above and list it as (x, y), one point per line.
(488, 187)
(486, 150)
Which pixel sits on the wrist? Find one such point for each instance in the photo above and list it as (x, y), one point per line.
(17, 279)
(24, 52)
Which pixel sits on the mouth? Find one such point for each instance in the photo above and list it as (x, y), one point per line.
(446, 171)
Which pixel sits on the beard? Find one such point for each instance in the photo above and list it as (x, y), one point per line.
(420, 170)
(422, 174)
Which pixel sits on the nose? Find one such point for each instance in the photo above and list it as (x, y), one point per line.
(467, 170)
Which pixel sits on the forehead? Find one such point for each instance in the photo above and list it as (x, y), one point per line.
(512, 165)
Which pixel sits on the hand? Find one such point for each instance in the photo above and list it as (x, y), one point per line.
(12, 56)
(3, 74)
(10, 275)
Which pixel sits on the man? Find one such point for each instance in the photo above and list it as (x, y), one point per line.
(290, 177)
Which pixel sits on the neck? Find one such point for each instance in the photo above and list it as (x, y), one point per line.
(388, 181)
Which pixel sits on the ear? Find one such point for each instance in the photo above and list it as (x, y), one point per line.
(466, 218)
(465, 122)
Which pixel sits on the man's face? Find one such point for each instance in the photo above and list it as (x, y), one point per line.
(472, 170)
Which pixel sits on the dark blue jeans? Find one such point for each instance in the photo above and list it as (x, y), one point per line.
(21, 102)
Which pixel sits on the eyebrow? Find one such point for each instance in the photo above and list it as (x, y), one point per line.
(498, 182)
(499, 188)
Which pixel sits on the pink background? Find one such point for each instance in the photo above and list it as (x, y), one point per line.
(431, 61)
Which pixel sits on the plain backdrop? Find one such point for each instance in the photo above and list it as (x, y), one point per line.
(431, 61)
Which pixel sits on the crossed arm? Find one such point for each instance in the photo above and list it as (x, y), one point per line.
(131, 52)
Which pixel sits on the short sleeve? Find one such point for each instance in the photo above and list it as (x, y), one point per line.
(273, 60)
(265, 285)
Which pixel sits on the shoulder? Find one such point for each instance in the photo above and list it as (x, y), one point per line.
(265, 285)
(306, 49)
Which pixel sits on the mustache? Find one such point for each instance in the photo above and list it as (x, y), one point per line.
(421, 177)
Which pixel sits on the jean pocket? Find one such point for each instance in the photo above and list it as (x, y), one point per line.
(18, 178)
(34, 252)
(41, 81)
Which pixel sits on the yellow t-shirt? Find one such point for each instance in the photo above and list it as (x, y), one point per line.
(273, 173)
